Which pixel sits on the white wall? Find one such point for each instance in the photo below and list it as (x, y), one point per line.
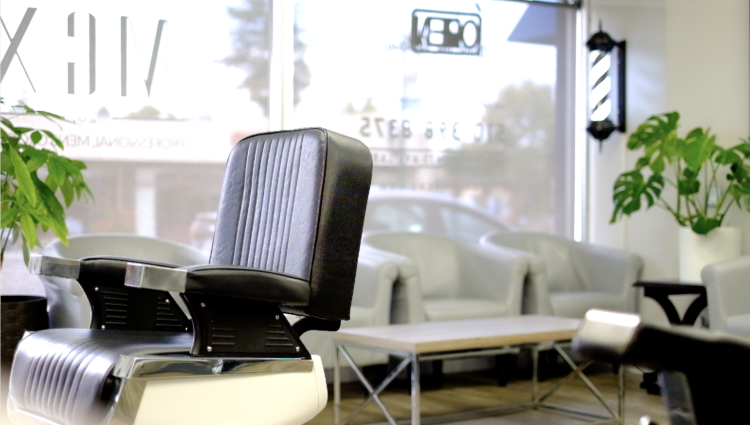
(692, 56)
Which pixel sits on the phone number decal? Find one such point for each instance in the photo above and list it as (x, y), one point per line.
(403, 129)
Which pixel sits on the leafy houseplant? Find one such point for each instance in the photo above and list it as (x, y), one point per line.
(33, 172)
(707, 178)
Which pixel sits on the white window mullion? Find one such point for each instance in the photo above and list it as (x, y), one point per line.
(581, 166)
(281, 102)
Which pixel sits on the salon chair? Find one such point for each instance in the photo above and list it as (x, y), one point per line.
(211, 343)
(702, 373)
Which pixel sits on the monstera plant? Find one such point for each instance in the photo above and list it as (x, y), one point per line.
(37, 182)
(707, 179)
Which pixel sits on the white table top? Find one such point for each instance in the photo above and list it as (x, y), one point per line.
(435, 337)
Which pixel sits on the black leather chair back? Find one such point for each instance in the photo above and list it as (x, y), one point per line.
(293, 203)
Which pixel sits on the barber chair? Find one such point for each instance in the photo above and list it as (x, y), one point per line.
(702, 373)
(210, 344)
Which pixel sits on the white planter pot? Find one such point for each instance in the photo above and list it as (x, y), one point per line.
(698, 251)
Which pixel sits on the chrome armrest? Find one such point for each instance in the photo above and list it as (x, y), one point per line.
(54, 266)
(155, 277)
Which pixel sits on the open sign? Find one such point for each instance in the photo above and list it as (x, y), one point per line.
(445, 32)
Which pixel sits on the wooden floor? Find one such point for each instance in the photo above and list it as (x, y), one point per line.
(478, 390)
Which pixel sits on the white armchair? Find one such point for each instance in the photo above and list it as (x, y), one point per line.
(67, 305)
(445, 279)
(728, 290)
(568, 278)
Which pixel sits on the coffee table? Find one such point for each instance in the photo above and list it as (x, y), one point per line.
(413, 343)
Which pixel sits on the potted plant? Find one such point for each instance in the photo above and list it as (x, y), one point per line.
(692, 178)
(35, 179)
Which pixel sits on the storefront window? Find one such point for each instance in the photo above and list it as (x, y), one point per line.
(461, 101)
(466, 105)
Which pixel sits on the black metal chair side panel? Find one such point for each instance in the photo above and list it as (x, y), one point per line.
(116, 306)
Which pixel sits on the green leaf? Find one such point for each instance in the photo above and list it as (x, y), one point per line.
(51, 115)
(36, 137)
(54, 138)
(56, 216)
(704, 225)
(698, 151)
(26, 251)
(23, 176)
(672, 119)
(6, 164)
(56, 169)
(29, 228)
(71, 168)
(21, 130)
(67, 191)
(655, 183)
(50, 182)
(50, 201)
(727, 156)
(37, 158)
(737, 192)
(743, 148)
(78, 164)
(8, 218)
(688, 187)
(695, 133)
(657, 166)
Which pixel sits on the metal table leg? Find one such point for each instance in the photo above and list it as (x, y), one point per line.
(336, 385)
(415, 389)
(534, 376)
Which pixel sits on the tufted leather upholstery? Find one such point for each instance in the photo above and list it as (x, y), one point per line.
(301, 192)
(257, 221)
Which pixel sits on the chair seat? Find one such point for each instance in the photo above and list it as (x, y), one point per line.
(462, 308)
(575, 304)
(739, 325)
(59, 374)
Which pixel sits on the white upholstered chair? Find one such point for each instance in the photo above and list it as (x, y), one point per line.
(728, 290)
(67, 305)
(445, 279)
(568, 278)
